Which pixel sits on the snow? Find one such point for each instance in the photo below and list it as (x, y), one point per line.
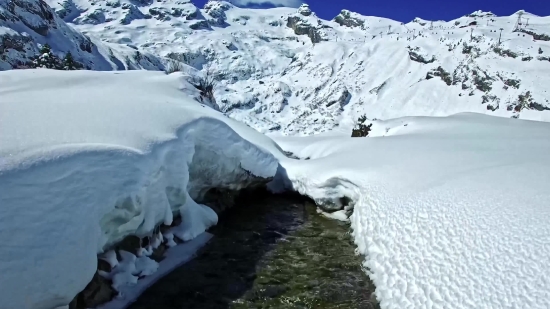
(450, 212)
(92, 157)
(354, 70)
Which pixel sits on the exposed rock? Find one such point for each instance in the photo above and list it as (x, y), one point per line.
(215, 11)
(132, 13)
(303, 27)
(343, 99)
(199, 24)
(414, 56)
(16, 50)
(68, 10)
(440, 72)
(97, 292)
(94, 17)
(160, 13)
(36, 15)
(345, 18)
(305, 10)
(537, 36)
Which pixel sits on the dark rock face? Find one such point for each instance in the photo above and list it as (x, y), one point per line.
(36, 15)
(345, 19)
(419, 58)
(199, 24)
(30, 24)
(215, 13)
(133, 13)
(302, 27)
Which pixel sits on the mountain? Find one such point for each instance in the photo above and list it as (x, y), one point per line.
(27, 25)
(286, 70)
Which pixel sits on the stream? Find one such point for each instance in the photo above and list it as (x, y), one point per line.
(270, 251)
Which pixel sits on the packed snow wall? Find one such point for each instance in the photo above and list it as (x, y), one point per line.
(82, 169)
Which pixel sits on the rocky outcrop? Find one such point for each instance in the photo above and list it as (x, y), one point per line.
(215, 13)
(132, 13)
(163, 13)
(36, 15)
(94, 17)
(345, 18)
(303, 27)
(305, 10)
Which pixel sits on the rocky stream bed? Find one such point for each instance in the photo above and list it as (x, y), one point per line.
(271, 251)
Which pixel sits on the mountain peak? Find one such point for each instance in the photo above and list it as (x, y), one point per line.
(480, 13)
(305, 10)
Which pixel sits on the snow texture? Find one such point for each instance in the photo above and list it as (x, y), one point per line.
(92, 157)
(450, 212)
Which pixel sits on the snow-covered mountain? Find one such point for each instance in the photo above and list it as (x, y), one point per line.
(26, 25)
(287, 70)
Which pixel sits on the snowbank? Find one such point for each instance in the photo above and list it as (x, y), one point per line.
(451, 212)
(88, 158)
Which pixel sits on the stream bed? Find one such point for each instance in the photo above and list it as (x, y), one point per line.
(270, 251)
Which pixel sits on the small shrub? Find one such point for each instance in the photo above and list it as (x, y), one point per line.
(540, 50)
(528, 58)
(205, 84)
(361, 129)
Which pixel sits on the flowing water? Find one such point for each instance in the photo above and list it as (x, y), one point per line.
(271, 251)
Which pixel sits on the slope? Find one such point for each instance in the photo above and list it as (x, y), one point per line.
(27, 25)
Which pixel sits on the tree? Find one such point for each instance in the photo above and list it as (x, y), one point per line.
(46, 59)
(69, 63)
(361, 129)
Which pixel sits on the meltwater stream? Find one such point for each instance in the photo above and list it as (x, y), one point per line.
(270, 251)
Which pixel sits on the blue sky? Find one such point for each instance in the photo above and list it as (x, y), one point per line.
(406, 10)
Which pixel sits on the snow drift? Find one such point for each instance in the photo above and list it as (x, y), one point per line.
(88, 158)
(450, 212)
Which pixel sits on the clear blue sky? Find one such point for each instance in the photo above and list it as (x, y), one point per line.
(406, 10)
